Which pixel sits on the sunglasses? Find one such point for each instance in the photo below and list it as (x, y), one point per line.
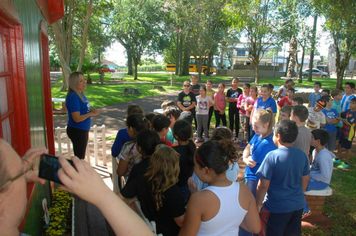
(186, 85)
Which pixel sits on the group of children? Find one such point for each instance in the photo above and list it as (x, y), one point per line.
(157, 157)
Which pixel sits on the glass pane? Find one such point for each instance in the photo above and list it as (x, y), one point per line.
(3, 55)
(6, 131)
(3, 96)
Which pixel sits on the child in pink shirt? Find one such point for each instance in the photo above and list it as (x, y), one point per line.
(219, 105)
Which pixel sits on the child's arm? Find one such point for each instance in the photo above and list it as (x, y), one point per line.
(122, 167)
(262, 188)
(247, 157)
(251, 222)
(192, 219)
(305, 182)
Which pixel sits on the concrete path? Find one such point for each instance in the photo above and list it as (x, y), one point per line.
(113, 116)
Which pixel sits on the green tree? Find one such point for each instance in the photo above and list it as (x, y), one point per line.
(341, 22)
(256, 17)
(70, 33)
(138, 26)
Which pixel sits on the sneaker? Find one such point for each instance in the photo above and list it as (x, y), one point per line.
(235, 140)
(306, 214)
(336, 161)
(243, 144)
(199, 140)
(343, 166)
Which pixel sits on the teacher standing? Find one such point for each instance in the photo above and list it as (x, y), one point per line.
(79, 113)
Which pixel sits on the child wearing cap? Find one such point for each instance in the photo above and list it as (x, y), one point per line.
(316, 118)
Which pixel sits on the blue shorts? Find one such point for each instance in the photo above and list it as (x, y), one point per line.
(345, 143)
(276, 224)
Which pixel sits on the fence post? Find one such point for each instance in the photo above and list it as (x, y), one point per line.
(95, 129)
(103, 143)
(59, 140)
(68, 144)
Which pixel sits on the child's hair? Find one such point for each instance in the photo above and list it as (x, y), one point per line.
(149, 116)
(351, 84)
(253, 87)
(216, 154)
(265, 116)
(172, 111)
(247, 85)
(209, 81)
(287, 109)
(287, 130)
(322, 135)
(137, 121)
(353, 99)
(235, 78)
(160, 122)
(326, 91)
(221, 133)
(335, 92)
(167, 103)
(222, 84)
(299, 100)
(301, 112)
(291, 89)
(271, 87)
(147, 140)
(203, 87)
(290, 83)
(183, 130)
(318, 83)
(133, 109)
(265, 86)
(162, 172)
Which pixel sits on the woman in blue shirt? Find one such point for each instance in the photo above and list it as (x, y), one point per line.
(79, 113)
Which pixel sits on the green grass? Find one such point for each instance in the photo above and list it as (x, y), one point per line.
(110, 94)
(341, 206)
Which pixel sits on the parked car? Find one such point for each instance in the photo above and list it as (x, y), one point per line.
(106, 69)
(315, 73)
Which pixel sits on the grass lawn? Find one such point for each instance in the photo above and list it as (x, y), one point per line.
(341, 206)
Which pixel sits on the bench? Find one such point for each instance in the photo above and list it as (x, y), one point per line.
(118, 75)
(63, 109)
(316, 199)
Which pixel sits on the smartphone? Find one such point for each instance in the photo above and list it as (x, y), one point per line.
(49, 166)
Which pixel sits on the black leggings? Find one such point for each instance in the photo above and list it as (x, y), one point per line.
(218, 116)
(79, 139)
(234, 119)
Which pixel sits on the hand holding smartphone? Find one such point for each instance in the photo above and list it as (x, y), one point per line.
(49, 166)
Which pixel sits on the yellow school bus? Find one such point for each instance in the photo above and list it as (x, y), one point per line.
(193, 66)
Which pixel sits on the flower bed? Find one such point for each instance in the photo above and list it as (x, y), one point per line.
(60, 214)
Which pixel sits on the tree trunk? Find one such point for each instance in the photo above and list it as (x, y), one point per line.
(85, 34)
(313, 41)
(135, 73)
(178, 53)
(300, 75)
(186, 58)
(257, 74)
(129, 61)
(63, 52)
(199, 62)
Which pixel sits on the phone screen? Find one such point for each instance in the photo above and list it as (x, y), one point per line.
(49, 166)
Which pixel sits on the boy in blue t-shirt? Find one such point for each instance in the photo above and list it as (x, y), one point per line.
(331, 121)
(348, 119)
(336, 94)
(284, 176)
(313, 97)
(322, 165)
